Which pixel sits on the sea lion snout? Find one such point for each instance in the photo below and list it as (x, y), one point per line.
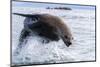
(67, 39)
(67, 43)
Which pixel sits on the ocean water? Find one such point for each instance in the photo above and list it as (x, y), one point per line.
(82, 24)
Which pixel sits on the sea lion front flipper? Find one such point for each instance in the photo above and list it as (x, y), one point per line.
(22, 41)
(23, 36)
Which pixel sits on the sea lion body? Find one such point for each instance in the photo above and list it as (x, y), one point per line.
(46, 25)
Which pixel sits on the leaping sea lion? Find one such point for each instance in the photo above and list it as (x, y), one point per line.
(45, 25)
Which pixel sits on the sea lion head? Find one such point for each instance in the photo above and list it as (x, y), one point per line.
(67, 40)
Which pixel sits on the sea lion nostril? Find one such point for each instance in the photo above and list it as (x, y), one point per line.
(69, 43)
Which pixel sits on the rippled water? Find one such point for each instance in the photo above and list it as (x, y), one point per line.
(82, 24)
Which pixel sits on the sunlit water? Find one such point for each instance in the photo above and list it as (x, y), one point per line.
(82, 25)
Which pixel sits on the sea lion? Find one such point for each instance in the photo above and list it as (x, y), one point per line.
(46, 25)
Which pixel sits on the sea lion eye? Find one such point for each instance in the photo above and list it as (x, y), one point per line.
(66, 37)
